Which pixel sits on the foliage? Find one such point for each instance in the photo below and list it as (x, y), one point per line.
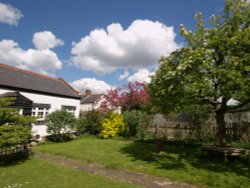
(133, 96)
(59, 123)
(10, 115)
(211, 69)
(132, 119)
(112, 125)
(14, 134)
(14, 128)
(89, 122)
(143, 125)
(135, 120)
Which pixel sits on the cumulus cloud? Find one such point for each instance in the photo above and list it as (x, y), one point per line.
(9, 14)
(143, 75)
(40, 61)
(124, 75)
(46, 40)
(96, 86)
(138, 46)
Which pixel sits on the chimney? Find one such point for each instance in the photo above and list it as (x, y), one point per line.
(88, 92)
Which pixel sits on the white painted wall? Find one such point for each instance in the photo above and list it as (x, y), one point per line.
(55, 102)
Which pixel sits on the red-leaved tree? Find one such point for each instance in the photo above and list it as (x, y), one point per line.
(133, 96)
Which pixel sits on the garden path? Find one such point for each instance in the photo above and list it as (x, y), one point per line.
(136, 178)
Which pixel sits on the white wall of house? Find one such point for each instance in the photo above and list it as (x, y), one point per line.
(56, 103)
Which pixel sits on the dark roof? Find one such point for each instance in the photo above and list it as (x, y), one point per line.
(90, 99)
(22, 80)
(20, 100)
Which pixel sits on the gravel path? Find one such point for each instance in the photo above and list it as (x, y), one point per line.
(137, 178)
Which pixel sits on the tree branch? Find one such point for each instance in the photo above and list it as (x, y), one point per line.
(203, 100)
(238, 108)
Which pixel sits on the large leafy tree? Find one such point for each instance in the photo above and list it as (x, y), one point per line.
(212, 69)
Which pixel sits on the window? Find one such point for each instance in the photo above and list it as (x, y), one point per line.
(40, 111)
(70, 109)
(40, 115)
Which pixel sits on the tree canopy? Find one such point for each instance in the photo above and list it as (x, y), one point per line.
(133, 96)
(213, 68)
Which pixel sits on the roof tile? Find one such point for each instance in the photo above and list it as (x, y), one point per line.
(25, 80)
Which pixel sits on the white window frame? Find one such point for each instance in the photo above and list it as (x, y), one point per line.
(36, 110)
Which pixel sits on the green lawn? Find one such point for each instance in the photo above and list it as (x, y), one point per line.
(34, 173)
(179, 161)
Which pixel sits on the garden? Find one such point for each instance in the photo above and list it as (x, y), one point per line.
(199, 96)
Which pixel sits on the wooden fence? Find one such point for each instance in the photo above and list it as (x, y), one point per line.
(13, 149)
(183, 128)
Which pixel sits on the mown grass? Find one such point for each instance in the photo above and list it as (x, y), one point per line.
(34, 173)
(179, 161)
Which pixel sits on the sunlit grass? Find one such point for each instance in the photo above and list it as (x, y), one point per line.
(34, 173)
(179, 161)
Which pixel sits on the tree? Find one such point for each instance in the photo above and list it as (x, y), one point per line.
(212, 69)
(14, 128)
(133, 96)
(59, 123)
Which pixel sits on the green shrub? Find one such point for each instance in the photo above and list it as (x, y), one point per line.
(59, 123)
(132, 120)
(10, 115)
(14, 134)
(112, 125)
(89, 122)
(14, 129)
(141, 129)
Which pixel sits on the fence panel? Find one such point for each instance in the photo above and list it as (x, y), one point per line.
(13, 149)
(237, 128)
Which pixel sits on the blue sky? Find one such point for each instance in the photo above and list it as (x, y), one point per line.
(95, 44)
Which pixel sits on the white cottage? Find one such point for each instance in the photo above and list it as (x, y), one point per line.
(90, 102)
(37, 95)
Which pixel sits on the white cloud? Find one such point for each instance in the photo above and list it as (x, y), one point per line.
(9, 14)
(96, 86)
(40, 61)
(46, 40)
(139, 46)
(124, 75)
(143, 75)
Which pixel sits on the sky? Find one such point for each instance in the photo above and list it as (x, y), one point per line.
(95, 44)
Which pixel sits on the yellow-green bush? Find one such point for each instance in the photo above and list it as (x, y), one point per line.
(112, 125)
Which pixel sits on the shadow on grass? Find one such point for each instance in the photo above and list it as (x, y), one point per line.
(177, 154)
(14, 159)
(60, 138)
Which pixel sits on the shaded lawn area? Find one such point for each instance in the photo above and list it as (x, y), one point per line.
(34, 173)
(179, 161)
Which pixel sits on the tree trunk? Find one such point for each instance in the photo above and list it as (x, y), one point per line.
(219, 116)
